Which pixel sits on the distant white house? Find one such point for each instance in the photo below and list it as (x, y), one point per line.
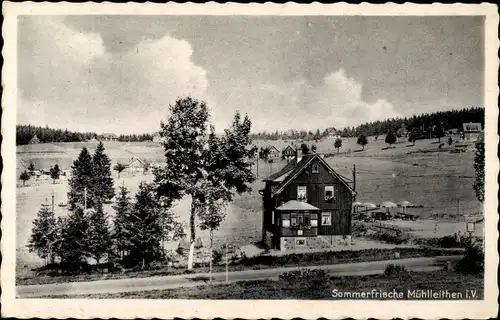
(471, 131)
(109, 137)
(157, 138)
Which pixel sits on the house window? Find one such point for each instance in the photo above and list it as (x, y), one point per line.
(315, 168)
(300, 232)
(326, 218)
(286, 220)
(329, 193)
(314, 219)
(294, 221)
(302, 193)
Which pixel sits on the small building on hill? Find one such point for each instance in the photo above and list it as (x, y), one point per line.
(34, 140)
(274, 153)
(306, 205)
(471, 131)
(157, 138)
(109, 137)
(288, 153)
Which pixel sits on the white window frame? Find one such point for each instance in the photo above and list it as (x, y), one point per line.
(326, 214)
(304, 188)
(286, 223)
(311, 219)
(332, 189)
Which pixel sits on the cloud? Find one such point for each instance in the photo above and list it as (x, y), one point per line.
(67, 78)
(336, 101)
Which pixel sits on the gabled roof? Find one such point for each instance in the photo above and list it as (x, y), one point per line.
(296, 205)
(286, 170)
(272, 147)
(286, 175)
(288, 148)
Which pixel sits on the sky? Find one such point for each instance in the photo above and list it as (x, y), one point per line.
(120, 73)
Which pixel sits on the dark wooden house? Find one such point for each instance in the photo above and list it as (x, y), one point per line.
(288, 153)
(306, 205)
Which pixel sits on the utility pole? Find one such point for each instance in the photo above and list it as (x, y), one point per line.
(257, 170)
(227, 265)
(354, 180)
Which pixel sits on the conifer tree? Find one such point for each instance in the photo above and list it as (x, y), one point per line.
(338, 144)
(98, 240)
(73, 245)
(145, 226)
(121, 229)
(102, 180)
(81, 179)
(44, 235)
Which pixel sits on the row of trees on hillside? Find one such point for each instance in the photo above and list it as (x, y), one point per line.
(24, 134)
(135, 137)
(426, 123)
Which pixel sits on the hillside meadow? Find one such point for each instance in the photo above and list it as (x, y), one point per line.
(441, 182)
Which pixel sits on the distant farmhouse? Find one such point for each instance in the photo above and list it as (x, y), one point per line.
(288, 153)
(306, 205)
(402, 131)
(157, 138)
(274, 153)
(471, 131)
(109, 137)
(34, 140)
(332, 133)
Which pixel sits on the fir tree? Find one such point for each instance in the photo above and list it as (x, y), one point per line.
(44, 235)
(98, 242)
(122, 231)
(31, 167)
(81, 179)
(73, 245)
(145, 226)
(102, 180)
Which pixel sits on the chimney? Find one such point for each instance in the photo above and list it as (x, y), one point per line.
(298, 155)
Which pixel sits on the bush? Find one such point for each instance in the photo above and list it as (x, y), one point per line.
(216, 256)
(472, 262)
(395, 270)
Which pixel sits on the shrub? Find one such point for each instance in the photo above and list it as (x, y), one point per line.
(472, 262)
(216, 257)
(395, 270)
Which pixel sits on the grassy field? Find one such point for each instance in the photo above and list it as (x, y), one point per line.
(440, 181)
(269, 289)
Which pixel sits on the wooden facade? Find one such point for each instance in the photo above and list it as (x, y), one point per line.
(307, 198)
(288, 153)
